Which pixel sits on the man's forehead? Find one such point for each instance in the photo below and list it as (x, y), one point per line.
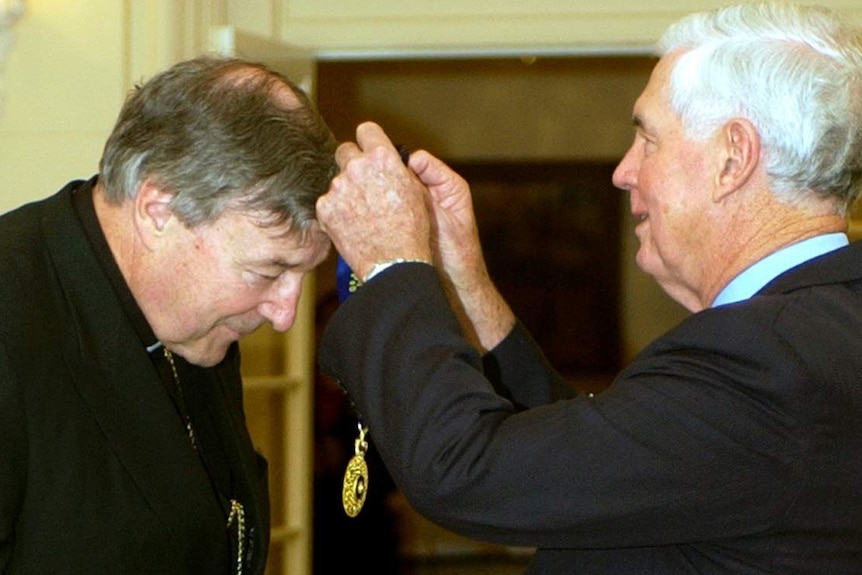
(295, 248)
(659, 78)
(656, 91)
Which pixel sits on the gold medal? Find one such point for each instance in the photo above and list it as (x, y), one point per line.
(356, 477)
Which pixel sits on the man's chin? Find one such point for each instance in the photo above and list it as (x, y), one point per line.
(649, 264)
(203, 356)
(642, 259)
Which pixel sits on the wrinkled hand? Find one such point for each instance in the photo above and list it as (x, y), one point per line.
(376, 209)
(485, 316)
(455, 236)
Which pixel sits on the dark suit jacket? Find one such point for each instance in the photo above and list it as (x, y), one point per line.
(96, 471)
(733, 444)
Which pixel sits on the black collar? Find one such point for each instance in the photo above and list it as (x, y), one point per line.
(86, 212)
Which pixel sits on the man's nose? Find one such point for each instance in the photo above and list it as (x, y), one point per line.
(279, 307)
(624, 176)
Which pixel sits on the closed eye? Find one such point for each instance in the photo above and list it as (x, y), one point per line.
(258, 277)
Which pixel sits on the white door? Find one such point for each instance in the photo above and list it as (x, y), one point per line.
(278, 369)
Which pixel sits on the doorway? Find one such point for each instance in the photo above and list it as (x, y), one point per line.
(538, 140)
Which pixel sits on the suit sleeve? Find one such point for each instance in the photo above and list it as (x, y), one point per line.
(519, 370)
(13, 458)
(672, 452)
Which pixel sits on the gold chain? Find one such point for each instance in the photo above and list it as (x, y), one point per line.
(186, 418)
(237, 511)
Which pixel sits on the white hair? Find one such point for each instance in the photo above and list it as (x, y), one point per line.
(795, 72)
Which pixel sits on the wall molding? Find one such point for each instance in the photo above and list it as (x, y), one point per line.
(10, 12)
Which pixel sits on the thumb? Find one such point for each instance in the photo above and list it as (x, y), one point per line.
(446, 186)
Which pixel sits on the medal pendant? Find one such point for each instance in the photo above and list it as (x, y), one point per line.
(355, 486)
(356, 477)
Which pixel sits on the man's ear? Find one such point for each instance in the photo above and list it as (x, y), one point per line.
(739, 145)
(152, 211)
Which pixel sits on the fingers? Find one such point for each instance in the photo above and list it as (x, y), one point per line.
(346, 152)
(375, 208)
(371, 153)
(368, 137)
(446, 186)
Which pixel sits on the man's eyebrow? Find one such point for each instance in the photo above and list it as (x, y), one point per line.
(271, 262)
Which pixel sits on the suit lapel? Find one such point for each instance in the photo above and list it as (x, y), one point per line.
(117, 380)
(248, 469)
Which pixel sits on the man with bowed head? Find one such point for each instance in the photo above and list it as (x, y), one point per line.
(123, 443)
(729, 445)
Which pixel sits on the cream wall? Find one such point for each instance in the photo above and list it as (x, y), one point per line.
(66, 75)
(62, 88)
(335, 28)
(72, 61)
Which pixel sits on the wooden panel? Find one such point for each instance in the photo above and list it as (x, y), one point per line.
(551, 237)
(474, 109)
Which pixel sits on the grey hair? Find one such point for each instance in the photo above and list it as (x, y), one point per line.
(220, 134)
(795, 72)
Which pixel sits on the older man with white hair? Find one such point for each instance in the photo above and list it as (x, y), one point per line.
(729, 445)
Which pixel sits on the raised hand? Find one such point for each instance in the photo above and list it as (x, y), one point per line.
(458, 253)
(376, 209)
